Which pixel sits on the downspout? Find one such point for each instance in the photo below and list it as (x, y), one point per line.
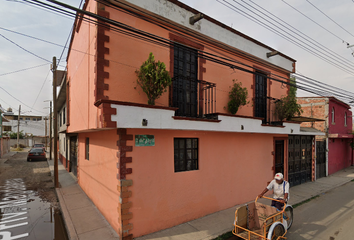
(326, 128)
(0, 123)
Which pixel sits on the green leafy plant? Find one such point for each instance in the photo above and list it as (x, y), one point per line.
(287, 107)
(153, 78)
(237, 97)
(13, 135)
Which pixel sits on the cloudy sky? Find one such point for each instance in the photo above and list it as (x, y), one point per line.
(32, 87)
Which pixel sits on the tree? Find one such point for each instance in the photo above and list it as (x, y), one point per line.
(13, 135)
(153, 78)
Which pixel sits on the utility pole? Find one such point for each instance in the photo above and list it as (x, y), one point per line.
(18, 127)
(55, 123)
(45, 127)
(50, 132)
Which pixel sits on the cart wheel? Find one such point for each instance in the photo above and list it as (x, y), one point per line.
(288, 216)
(276, 230)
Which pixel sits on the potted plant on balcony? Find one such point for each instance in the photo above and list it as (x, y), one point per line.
(287, 107)
(237, 97)
(153, 78)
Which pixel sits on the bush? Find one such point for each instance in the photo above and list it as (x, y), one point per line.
(13, 135)
(237, 97)
(153, 78)
(21, 146)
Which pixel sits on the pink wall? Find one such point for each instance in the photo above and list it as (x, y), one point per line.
(339, 155)
(130, 53)
(339, 114)
(230, 173)
(64, 162)
(98, 175)
(83, 114)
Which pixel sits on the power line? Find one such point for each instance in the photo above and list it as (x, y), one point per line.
(281, 34)
(40, 89)
(314, 21)
(19, 100)
(148, 37)
(301, 34)
(24, 48)
(329, 18)
(24, 69)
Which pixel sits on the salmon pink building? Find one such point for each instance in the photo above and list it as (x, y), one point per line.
(336, 144)
(149, 168)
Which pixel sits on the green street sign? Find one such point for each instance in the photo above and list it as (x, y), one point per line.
(144, 140)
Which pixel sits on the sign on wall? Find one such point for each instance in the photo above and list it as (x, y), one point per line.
(144, 140)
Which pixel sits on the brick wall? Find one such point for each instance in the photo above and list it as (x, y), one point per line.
(315, 108)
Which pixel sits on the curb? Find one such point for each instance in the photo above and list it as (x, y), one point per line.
(69, 226)
(72, 235)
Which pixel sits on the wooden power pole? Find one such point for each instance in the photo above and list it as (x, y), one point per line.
(50, 132)
(45, 127)
(18, 127)
(55, 123)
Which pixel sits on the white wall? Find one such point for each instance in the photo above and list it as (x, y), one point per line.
(37, 128)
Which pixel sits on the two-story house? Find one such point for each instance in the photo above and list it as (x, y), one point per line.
(63, 137)
(335, 145)
(147, 167)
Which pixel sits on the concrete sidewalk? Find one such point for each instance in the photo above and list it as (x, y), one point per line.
(213, 225)
(82, 219)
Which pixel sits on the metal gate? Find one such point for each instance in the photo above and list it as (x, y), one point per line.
(279, 156)
(73, 155)
(320, 159)
(300, 159)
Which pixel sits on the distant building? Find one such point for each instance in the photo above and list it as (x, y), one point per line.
(32, 125)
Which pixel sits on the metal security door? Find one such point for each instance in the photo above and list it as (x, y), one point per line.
(320, 159)
(261, 96)
(185, 83)
(279, 156)
(73, 155)
(300, 159)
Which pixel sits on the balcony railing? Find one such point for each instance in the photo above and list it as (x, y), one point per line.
(265, 109)
(193, 98)
(271, 118)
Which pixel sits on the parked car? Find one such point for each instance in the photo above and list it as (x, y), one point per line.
(36, 154)
(39, 145)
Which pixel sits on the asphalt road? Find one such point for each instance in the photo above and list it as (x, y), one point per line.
(28, 205)
(328, 217)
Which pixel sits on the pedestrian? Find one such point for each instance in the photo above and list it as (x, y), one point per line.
(280, 189)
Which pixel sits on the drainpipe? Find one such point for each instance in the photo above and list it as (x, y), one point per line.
(0, 124)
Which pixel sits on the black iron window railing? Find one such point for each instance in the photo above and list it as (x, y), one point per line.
(193, 97)
(266, 110)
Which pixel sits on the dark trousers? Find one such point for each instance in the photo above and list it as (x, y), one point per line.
(277, 204)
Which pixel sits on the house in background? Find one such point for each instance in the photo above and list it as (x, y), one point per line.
(29, 124)
(63, 137)
(4, 141)
(334, 148)
(148, 168)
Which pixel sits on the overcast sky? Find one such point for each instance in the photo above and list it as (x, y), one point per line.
(33, 86)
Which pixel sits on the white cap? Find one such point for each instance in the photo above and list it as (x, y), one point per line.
(278, 176)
